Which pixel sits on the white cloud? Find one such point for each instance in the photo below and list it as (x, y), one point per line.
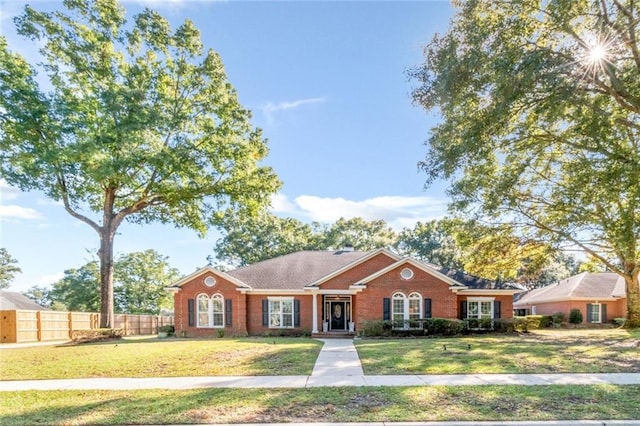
(270, 108)
(18, 212)
(47, 280)
(7, 192)
(397, 211)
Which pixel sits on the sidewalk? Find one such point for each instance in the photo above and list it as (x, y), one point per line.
(337, 365)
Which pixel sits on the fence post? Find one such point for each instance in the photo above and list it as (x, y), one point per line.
(39, 326)
(70, 324)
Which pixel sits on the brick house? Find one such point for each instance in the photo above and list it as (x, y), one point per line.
(330, 292)
(599, 296)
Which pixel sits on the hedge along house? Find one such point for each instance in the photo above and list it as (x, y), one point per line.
(329, 292)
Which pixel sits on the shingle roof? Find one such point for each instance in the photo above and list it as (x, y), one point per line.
(296, 270)
(473, 282)
(603, 285)
(10, 301)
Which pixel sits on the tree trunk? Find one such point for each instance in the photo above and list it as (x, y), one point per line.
(106, 276)
(633, 302)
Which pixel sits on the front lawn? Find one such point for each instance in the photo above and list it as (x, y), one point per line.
(544, 351)
(365, 404)
(150, 357)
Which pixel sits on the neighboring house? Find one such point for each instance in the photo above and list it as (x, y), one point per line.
(329, 292)
(12, 301)
(599, 296)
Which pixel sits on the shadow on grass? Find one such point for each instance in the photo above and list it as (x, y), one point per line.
(435, 403)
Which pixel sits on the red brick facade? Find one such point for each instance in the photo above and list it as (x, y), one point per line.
(360, 290)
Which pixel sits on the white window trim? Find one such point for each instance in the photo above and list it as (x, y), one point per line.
(282, 314)
(599, 308)
(406, 316)
(210, 310)
(479, 300)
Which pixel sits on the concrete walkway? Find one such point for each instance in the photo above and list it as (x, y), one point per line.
(337, 365)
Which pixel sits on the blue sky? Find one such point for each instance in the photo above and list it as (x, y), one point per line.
(326, 82)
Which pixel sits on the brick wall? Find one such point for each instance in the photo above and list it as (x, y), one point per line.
(616, 309)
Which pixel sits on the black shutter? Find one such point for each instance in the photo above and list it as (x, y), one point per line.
(296, 313)
(191, 310)
(427, 308)
(265, 312)
(386, 309)
(589, 311)
(603, 319)
(496, 309)
(227, 312)
(463, 310)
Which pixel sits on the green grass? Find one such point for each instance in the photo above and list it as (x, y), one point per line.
(548, 351)
(365, 404)
(151, 357)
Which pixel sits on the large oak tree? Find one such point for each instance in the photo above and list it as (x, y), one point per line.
(540, 106)
(126, 121)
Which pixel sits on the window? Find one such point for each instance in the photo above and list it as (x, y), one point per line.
(406, 274)
(594, 311)
(281, 312)
(405, 309)
(210, 311)
(480, 312)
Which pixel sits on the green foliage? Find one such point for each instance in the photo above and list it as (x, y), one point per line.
(8, 268)
(169, 329)
(137, 122)
(433, 242)
(140, 279)
(96, 335)
(537, 133)
(575, 316)
(557, 319)
(358, 233)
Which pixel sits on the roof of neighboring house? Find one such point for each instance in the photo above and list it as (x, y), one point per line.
(474, 282)
(11, 301)
(296, 270)
(598, 286)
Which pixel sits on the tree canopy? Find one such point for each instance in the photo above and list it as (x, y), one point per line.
(8, 268)
(140, 279)
(540, 105)
(138, 122)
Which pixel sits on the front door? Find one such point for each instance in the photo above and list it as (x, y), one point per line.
(338, 316)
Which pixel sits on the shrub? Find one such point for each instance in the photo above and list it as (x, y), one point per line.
(557, 319)
(575, 316)
(505, 325)
(534, 322)
(169, 329)
(619, 321)
(444, 327)
(96, 334)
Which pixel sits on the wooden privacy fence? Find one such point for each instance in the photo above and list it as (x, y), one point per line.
(38, 326)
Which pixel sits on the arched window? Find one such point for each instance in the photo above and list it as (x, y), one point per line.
(415, 306)
(398, 302)
(210, 311)
(405, 309)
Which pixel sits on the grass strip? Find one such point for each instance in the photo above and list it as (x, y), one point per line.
(365, 404)
(561, 351)
(151, 357)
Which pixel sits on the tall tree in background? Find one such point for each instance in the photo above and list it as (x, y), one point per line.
(8, 268)
(248, 240)
(540, 105)
(139, 124)
(432, 242)
(78, 290)
(362, 235)
(140, 280)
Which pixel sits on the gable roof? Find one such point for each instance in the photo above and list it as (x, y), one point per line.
(422, 266)
(297, 270)
(11, 301)
(473, 282)
(589, 286)
(205, 270)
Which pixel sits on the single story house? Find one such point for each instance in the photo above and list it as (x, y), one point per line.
(13, 301)
(330, 292)
(599, 296)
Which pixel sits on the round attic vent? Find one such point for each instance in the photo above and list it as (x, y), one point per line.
(406, 274)
(209, 281)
